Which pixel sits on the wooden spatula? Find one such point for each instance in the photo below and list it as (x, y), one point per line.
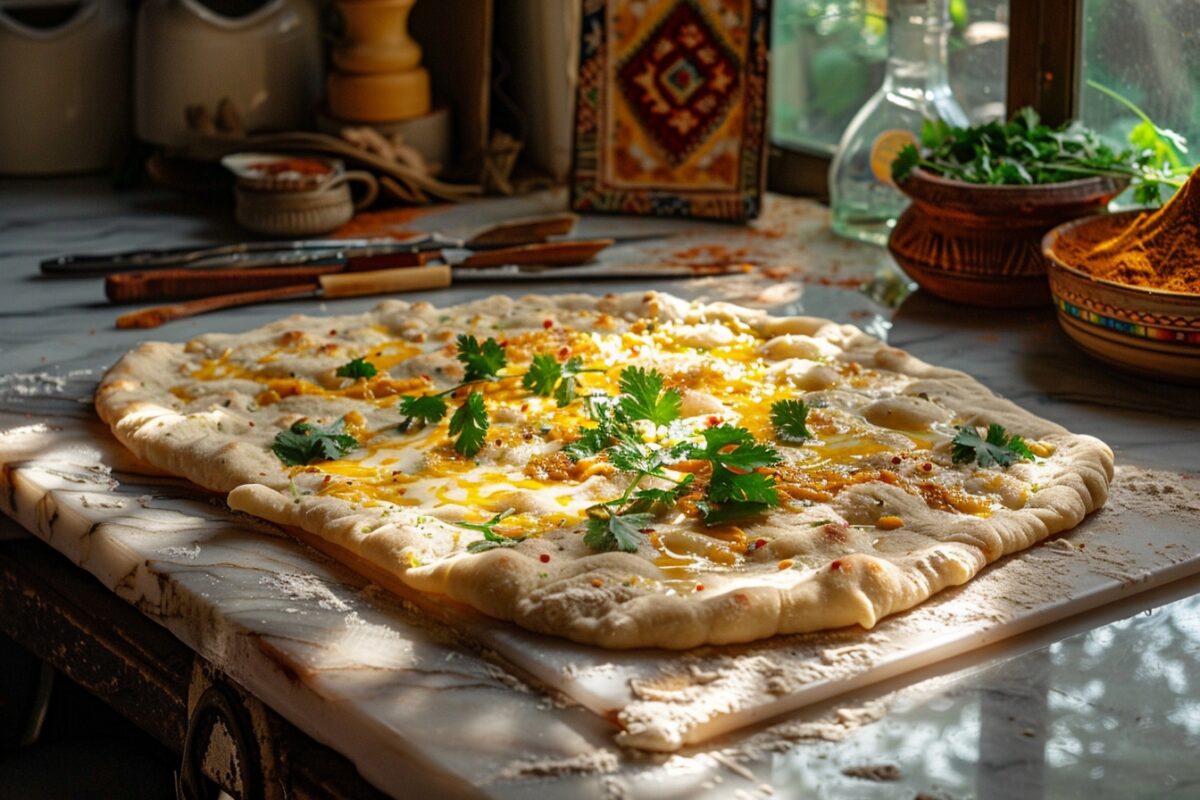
(349, 284)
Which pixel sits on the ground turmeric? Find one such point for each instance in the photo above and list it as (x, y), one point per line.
(1157, 249)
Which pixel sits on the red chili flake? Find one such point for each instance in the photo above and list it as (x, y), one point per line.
(760, 543)
(835, 566)
(544, 558)
(895, 459)
(504, 343)
(499, 442)
(332, 332)
(564, 351)
(713, 421)
(524, 406)
(326, 479)
(699, 587)
(250, 423)
(547, 324)
(927, 466)
(527, 436)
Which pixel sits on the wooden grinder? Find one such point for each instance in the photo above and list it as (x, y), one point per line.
(377, 74)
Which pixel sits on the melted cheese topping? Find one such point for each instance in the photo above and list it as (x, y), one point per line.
(721, 367)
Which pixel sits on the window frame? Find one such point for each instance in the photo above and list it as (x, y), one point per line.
(1044, 62)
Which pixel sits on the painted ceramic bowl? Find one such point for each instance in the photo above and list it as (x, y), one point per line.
(1145, 331)
(982, 245)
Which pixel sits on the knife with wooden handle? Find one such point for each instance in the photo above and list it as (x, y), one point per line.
(349, 284)
(183, 284)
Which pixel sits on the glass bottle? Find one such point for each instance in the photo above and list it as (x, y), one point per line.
(864, 202)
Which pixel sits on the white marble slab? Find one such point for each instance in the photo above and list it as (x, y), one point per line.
(334, 654)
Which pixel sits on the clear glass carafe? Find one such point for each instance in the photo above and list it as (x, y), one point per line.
(864, 202)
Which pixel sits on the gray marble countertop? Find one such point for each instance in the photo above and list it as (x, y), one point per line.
(1106, 704)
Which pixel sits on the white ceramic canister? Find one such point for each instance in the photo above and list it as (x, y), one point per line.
(263, 55)
(64, 85)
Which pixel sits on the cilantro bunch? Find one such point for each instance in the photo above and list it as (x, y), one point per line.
(738, 485)
(1023, 151)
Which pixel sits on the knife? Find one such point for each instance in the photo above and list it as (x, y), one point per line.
(245, 255)
(182, 284)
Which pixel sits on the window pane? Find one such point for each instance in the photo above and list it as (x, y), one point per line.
(828, 57)
(1146, 50)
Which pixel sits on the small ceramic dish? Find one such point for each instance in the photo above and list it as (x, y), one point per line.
(1145, 331)
(303, 213)
(277, 172)
(981, 245)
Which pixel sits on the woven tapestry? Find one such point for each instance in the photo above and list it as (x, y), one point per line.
(670, 118)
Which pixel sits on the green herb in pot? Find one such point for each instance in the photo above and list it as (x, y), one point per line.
(1026, 152)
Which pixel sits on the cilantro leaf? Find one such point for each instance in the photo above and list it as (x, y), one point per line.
(735, 490)
(491, 539)
(543, 375)
(612, 426)
(728, 447)
(730, 512)
(790, 418)
(547, 377)
(482, 362)
(427, 409)
(997, 448)
(645, 499)
(470, 425)
(590, 442)
(305, 443)
(643, 398)
(630, 457)
(752, 487)
(357, 368)
(565, 392)
(608, 531)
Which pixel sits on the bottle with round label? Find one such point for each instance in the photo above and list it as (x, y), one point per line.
(864, 201)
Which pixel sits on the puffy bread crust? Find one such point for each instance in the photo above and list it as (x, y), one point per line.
(609, 599)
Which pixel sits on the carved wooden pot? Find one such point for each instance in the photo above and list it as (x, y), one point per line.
(982, 245)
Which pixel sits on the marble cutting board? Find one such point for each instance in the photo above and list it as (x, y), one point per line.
(175, 551)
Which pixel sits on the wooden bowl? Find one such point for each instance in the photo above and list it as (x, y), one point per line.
(982, 245)
(1145, 331)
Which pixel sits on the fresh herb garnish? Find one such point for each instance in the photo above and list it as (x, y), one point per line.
(424, 409)
(607, 530)
(612, 427)
(305, 443)
(790, 418)
(470, 425)
(736, 489)
(547, 377)
(491, 539)
(357, 368)
(483, 362)
(643, 397)
(996, 448)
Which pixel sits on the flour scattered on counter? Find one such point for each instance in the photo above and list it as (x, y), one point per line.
(29, 384)
(297, 586)
(100, 501)
(1155, 492)
(38, 384)
(187, 553)
(597, 762)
